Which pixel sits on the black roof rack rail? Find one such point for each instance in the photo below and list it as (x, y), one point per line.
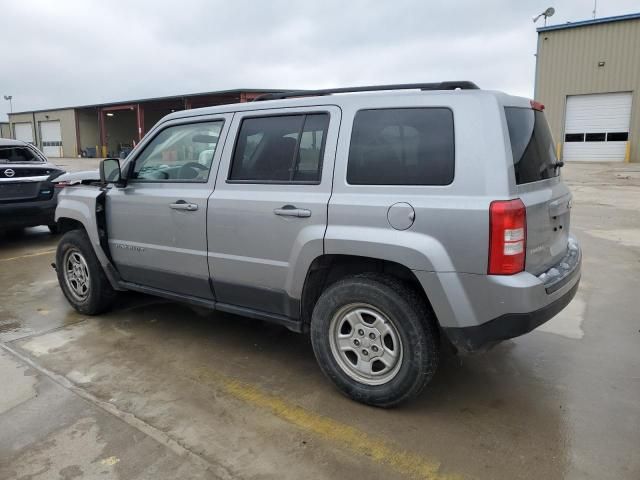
(451, 85)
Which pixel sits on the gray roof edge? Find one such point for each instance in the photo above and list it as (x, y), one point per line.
(151, 99)
(585, 23)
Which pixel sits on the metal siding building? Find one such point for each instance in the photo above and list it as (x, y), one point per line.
(578, 66)
(5, 130)
(48, 134)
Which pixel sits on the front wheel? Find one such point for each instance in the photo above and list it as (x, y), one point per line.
(375, 339)
(80, 275)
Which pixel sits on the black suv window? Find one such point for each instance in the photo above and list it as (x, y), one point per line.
(18, 155)
(287, 148)
(402, 146)
(534, 153)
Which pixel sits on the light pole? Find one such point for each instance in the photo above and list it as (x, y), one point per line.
(9, 98)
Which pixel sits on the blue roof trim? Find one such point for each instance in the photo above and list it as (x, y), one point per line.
(630, 16)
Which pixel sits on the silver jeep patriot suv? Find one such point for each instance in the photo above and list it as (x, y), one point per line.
(384, 221)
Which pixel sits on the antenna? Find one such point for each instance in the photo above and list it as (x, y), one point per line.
(595, 8)
(546, 14)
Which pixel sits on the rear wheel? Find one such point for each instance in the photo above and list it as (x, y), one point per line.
(81, 276)
(375, 339)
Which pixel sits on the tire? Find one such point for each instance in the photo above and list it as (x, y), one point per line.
(53, 228)
(394, 320)
(75, 262)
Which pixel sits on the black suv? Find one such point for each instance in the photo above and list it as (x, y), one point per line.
(27, 196)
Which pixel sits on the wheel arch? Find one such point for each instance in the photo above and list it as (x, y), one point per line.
(66, 224)
(330, 268)
(84, 209)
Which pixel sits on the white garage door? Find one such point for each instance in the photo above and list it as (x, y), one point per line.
(597, 127)
(23, 131)
(51, 136)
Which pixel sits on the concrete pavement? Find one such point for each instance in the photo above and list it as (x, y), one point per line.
(159, 390)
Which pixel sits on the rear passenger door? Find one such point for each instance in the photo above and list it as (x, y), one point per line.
(268, 213)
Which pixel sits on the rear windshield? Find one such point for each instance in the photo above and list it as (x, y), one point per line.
(18, 155)
(534, 154)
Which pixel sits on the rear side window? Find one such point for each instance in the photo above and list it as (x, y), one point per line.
(402, 146)
(534, 153)
(282, 149)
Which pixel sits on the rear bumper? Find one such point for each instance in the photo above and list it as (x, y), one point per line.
(476, 311)
(509, 325)
(28, 214)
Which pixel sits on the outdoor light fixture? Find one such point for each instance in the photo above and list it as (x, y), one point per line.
(9, 98)
(109, 114)
(546, 14)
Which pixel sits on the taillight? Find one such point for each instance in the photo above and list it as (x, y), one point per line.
(507, 237)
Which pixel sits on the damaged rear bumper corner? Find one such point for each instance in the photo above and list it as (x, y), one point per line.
(510, 325)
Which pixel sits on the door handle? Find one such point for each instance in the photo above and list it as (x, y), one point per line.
(182, 205)
(292, 211)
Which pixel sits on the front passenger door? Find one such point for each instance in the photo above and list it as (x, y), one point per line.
(157, 224)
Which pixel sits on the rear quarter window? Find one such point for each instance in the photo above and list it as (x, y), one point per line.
(402, 146)
(532, 146)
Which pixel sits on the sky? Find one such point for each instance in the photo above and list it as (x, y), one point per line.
(66, 53)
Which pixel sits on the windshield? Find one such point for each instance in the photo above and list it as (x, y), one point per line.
(18, 155)
(534, 154)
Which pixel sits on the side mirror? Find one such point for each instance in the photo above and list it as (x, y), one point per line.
(110, 172)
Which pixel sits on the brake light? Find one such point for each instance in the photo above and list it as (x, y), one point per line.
(507, 237)
(61, 184)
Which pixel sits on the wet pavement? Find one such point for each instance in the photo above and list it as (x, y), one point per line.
(156, 389)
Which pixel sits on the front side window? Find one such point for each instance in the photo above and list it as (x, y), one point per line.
(282, 149)
(182, 153)
(402, 146)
